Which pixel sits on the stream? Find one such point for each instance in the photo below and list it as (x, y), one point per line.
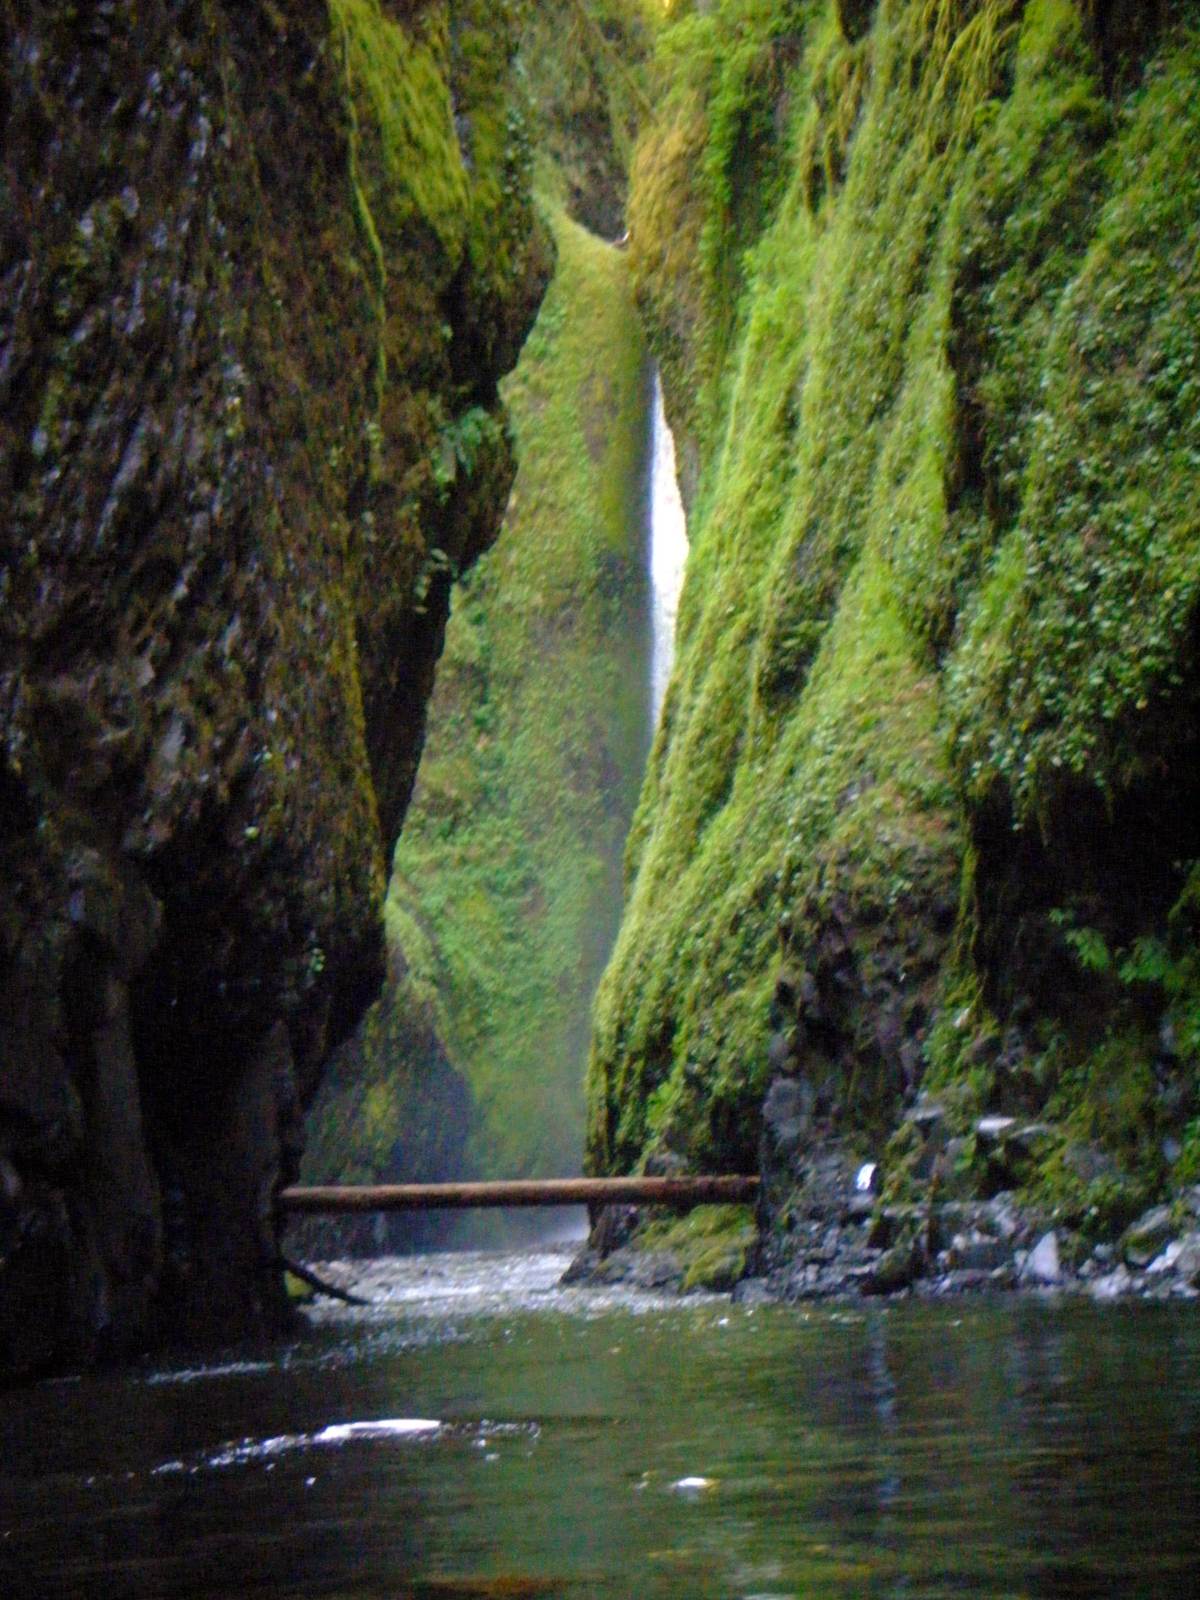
(480, 1431)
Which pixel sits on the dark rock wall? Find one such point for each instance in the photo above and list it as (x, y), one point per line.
(238, 359)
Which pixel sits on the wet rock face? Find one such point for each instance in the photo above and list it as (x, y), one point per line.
(226, 391)
(853, 1001)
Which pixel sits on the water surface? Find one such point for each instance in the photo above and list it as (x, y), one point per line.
(484, 1433)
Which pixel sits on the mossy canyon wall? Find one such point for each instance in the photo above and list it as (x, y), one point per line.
(506, 882)
(262, 268)
(922, 811)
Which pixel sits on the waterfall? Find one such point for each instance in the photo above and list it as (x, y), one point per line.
(667, 550)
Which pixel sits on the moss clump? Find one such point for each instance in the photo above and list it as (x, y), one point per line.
(713, 1244)
(1079, 637)
(399, 81)
(938, 368)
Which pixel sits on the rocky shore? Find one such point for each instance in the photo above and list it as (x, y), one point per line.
(840, 1244)
(837, 1242)
(944, 1214)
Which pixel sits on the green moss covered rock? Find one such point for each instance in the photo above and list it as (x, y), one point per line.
(263, 268)
(922, 807)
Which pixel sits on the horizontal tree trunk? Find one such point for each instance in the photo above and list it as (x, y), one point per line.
(680, 1193)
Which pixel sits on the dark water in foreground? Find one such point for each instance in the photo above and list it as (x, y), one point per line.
(538, 1442)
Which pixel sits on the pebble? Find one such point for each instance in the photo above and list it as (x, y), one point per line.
(1187, 1262)
(991, 1129)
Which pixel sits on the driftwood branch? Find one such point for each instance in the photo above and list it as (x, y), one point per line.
(314, 1281)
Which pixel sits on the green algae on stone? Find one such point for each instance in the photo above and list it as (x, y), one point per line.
(713, 1244)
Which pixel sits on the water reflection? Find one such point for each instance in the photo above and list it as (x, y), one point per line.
(580, 1444)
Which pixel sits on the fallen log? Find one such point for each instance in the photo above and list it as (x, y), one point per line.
(679, 1193)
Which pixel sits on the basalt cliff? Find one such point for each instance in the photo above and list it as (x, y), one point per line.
(916, 866)
(261, 269)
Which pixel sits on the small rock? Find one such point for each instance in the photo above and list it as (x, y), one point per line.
(655, 1269)
(865, 1181)
(963, 1281)
(1042, 1265)
(1112, 1286)
(927, 1114)
(1187, 1262)
(1001, 1217)
(1033, 1138)
(751, 1292)
(990, 1130)
(1166, 1261)
(1147, 1237)
(895, 1269)
(976, 1252)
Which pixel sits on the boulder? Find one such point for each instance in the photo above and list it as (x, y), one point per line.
(1147, 1237)
(1187, 1262)
(1041, 1266)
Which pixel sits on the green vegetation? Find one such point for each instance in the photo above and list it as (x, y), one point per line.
(506, 883)
(584, 62)
(927, 306)
(713, 1242)
(401, 80)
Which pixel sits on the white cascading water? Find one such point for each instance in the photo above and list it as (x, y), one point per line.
(668, 548)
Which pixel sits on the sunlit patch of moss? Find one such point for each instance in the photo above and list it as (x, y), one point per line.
(400, 77)
(298, 1291)
(1074, 644)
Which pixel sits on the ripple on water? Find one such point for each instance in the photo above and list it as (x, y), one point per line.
(246, 1452)
(227, 1369)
